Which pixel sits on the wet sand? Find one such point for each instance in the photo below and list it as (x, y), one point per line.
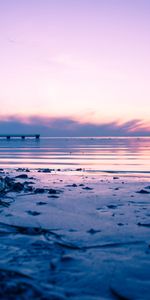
(74, 236)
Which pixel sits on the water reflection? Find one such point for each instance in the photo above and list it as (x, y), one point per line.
(116, 154)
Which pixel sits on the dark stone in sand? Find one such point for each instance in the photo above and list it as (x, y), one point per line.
(17, 187)
(8, 184)
(74, 185)
(81, 184)
(52, 191)
(22, 176)
(87, 188)
(143, 224)
(115, 177)
(46, 170)
(28, 189)
(79, 169)
(33, 213)
(39, 191)
(93, 231)
(143, 192)
(53, 196)
(112, 206)
(41, 203)
(9, 181)
(22, 170)
(29, 182)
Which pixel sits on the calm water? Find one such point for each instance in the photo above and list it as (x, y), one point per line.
(94, 154)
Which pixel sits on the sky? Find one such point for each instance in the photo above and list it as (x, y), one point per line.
(79, 62)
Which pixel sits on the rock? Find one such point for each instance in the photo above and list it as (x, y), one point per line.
(143, 224)
(115, 177)
(41, 203)
(9, 182)
(39, 191)
(72, 185)
(93, 231)
(22, 176)
(47, 170)
(112, 206)
(17, 187)
(87, 188)
(29, 182)
(142, 191)
(28, 189)
(33, 213)
(52, 191)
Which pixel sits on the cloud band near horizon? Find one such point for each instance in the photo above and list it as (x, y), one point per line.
(69, 127)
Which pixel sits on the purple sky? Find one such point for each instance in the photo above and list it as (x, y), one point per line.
(83, 60)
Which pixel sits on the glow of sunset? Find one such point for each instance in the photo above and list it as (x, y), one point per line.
(89, 60)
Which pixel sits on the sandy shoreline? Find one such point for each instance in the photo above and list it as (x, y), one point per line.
(74, 236)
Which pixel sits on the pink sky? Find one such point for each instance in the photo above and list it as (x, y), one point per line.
(86, 60)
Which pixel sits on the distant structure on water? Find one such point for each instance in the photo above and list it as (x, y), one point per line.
(22, 136)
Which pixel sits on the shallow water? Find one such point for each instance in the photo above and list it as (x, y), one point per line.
(92, 154)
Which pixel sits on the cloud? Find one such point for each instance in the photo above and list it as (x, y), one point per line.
(61, 127)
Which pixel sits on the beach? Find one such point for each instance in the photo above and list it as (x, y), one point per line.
(74, 150)
(74, 235)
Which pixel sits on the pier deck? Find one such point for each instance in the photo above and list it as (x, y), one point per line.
(22, 136)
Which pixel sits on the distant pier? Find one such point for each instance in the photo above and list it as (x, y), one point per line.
(22, 136)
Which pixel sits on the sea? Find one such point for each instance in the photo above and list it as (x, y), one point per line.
(91, 154)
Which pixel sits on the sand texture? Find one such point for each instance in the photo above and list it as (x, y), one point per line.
(74, 236)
